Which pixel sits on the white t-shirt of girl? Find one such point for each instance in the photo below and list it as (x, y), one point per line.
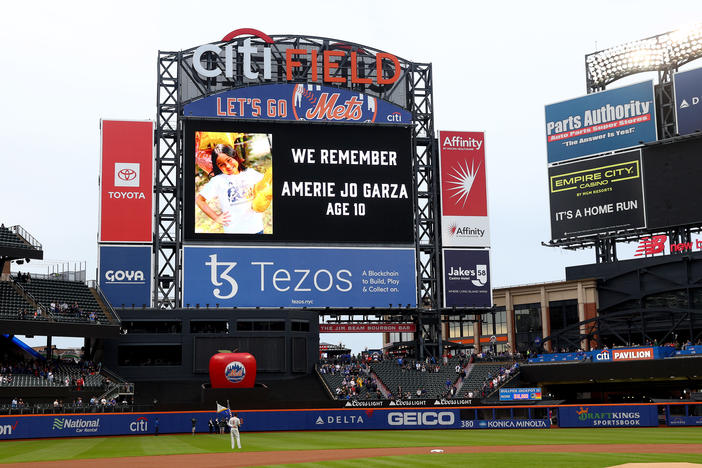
(235, 193)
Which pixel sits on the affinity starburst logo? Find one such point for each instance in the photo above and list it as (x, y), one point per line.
(461, 180)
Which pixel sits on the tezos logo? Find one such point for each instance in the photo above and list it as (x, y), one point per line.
(235, 372)
(124, 277)
(127, 174)
(140, 425)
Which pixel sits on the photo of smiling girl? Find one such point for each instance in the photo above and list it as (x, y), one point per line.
(236, 196)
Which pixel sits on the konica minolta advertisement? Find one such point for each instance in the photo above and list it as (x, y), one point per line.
(600, 122)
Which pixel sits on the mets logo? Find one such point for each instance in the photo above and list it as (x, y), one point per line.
(314, 102)
(127, 174)
(235, 372)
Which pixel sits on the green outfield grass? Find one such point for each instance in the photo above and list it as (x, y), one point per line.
(100, 447)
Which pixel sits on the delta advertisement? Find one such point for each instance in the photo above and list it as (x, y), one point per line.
(600, 122)
(299, 277)
(608, 416)
(126, 181)
(82, 425)
(688, 109)
(298, 102)
(288, 182)
(467, 278)
(464, 212)
(125, 275)
(597, 195)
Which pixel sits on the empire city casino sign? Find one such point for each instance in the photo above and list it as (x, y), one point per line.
(387, 66)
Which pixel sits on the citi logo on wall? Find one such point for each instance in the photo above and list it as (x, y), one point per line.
(126, 174)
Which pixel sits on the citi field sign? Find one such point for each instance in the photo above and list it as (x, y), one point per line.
(254, 59)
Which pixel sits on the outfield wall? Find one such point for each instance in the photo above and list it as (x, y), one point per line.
(499, 417)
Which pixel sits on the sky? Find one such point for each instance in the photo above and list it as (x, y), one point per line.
(495, 65)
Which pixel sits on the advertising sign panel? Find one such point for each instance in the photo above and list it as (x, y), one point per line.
(596, 195)
(600, 122)
(367, 328)
(126, 181)
(608, 416)
(672, 174)
(298, 102)
(467, 278)
(125, 275)
(273, 181)
(688, 109)
(298, 277)
(520, 394)
(464, 214)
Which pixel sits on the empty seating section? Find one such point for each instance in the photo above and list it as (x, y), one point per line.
(47, 292)
(10, 239)
(477, 376)
(12, 302)
(431, 383)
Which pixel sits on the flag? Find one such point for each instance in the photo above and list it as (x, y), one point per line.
(223, 409)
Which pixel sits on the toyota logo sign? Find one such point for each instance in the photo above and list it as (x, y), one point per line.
(127, 174)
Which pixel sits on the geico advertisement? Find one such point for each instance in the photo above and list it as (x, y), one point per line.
(298, 277)
(596, 195)
(600, 122)
(297, 182)
(125, 275)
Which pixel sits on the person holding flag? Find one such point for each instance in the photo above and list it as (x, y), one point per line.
(221, 421)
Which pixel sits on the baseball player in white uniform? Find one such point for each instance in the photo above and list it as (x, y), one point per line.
(234, 423)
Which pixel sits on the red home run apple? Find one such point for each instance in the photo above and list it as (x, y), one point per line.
(232, 370)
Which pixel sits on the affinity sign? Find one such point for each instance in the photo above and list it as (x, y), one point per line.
(464, 217)
(600, 122)
(299, 277)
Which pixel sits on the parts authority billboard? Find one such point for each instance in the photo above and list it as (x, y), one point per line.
(464, 213)
(271, 181)
(467, 278)
(688, 108)
(596, 195)
(126, 181)
(298, 277)
(600, 122)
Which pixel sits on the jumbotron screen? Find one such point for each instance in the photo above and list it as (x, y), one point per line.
(282, 182)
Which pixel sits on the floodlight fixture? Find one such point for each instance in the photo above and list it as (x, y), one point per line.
(664, 52)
